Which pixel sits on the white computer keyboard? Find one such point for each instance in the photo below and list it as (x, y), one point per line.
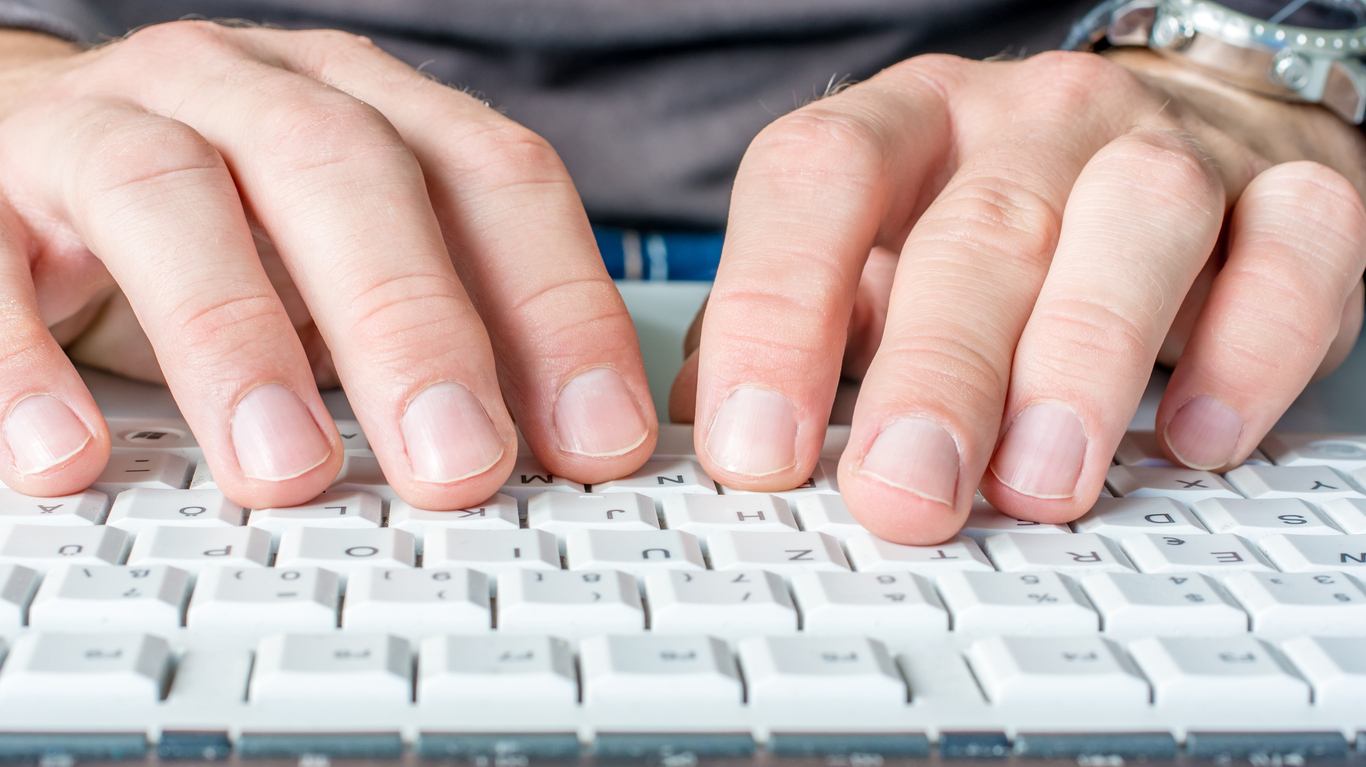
(663, 616)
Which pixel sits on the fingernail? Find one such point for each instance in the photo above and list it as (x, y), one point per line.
(597, 415)
(754, 433)
(1042, 453)
(42, 432)
(275, 435)
(449, 435)
(1204, 433)
(916, 455)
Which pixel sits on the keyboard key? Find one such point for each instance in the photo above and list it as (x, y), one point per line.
(730, 605)
(40, 547)
(1057, 671)
(258, 599)
(497, 513)
(800, 672)
(1118, 518)
(636, 553)
(1192, 553)
(353, 439)
(984, 520)
(1323, 604)
(561, 513)
(302, 669)
(1316, 484)
(827, 514)
(529, 478)
(111, 598)
(1187, 604)
(868, 604)
(1184, 485)
(106, 669)
(1076, 554)
(1140, 448)
(1316, 553)
(647, 670)
(1016, 603)
(361, 473)
(130, 435)
(528, 671)
(125, 471)
(202, 479)
(1219, 673)
(1346, 452)
(569, 604)
(195, 548)
(659, 479)
(79, 510)
(1349, 514)
(418, 602)
(870, 553)
(140, 508)
(823, 481)
(18, 584)
(1256, 519)
(350, 511)
(345, 551)
(1335, 666)
(492, 552)
(702, 515)
(780, 553)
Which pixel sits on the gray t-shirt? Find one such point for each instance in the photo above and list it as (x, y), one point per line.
(651, 103)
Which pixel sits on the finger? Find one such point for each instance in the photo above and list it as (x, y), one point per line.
(56, 441)
(1087, 351)
(1297, 248)
(569, 361)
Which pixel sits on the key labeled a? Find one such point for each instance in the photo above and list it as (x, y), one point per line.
(260, 599)
(731, 605)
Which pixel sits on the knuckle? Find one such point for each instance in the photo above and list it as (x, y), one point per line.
(131, 155)
(822, 141)
(176, 39)
(998, 217)
(1165, 162)
(1074, 83)
(501, 154)
(329, 128)
(1323, 193)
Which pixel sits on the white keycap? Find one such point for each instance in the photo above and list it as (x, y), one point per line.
(361, 473)
(869, 553)
(345, 551)
(1284, 604)
(1057, 671)
(350, 511)
(828, 673)
(781, 553)
(497, 513)
(111, 598)
(1016, 603)
(1184, 485)
(107, 669)
(1187, 604)
(1076, 554)
(985, 520)
(492, 552)
(647, 670)
(827, 514)
(417, 602)
(140, 508)
(79, 510)
(1340, 451)
(658, 479)
(823, 481)
(1316, 553)
(702, 515)
(1119, 518)
(730, 605)
(17, 587)
(353, 439)
(561, 513)
(1220, 673)
(1349, 514)
(341, 667)
(525, 671)
(632, 552)
(529, 478)
(1256, 519)
(202, 479)
(879, 605)
(149, 435)
(1335, 666)
(1192, 553)
(40, 547)
(568, 604)
(195, 548)
(257, 600)
(1316, 484)
(1139, 448)
(125, 471)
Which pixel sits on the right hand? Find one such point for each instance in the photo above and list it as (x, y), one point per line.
(419, 233)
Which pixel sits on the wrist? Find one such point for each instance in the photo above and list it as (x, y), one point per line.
(27, 59)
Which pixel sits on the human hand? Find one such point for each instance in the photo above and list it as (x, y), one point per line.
(407, 231)
(1061, 222)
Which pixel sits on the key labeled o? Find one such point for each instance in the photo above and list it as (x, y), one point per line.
(361, 551)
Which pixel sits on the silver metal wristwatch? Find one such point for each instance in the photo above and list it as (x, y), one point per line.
(1296, 50)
